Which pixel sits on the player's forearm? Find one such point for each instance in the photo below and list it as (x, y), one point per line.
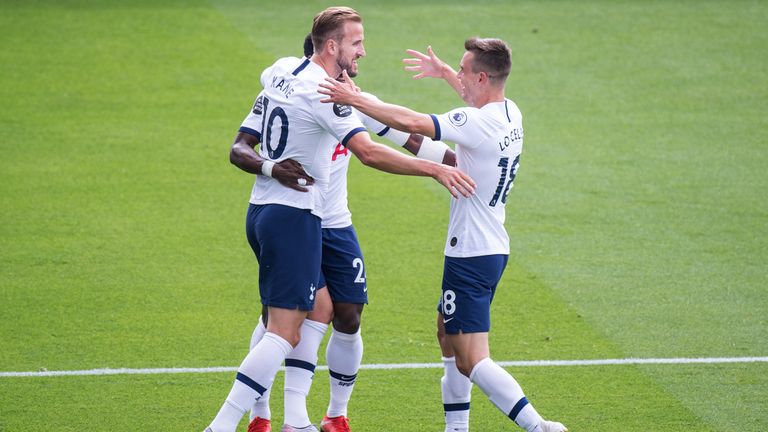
(244, 156)
(396, 116)
(386, 159)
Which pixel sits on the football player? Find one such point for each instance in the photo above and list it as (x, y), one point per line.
(488, 134)
(283, 224)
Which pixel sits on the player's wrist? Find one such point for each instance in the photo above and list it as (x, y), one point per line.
(266, 168)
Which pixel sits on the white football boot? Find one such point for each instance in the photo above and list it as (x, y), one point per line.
(551, 426)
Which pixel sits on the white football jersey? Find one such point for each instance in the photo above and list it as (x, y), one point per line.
(336, 212)
(489, 141)
(292, 123)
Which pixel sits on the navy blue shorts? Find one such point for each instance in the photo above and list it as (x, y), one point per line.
(469, 285)
(343, 270)
(288, 245)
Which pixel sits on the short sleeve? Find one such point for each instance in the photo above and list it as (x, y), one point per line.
(253, 122)
(461, 126)
(339, 120)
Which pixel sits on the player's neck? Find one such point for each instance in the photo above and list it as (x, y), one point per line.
(327, 63)
(490, 97)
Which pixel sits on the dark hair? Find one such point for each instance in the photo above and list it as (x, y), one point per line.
(329, 24)
(491, 56)
(309, 48)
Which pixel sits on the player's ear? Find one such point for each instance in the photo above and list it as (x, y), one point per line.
(330, 46)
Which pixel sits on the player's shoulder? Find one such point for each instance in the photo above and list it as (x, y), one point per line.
(282, 66)
(463, 115)
(512, 108)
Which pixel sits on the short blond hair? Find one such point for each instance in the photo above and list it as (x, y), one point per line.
(329, 24)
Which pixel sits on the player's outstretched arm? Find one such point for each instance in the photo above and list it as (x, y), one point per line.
(288, 172)
(392, 161)
(425, 148)
(429, 65)
(401, 118)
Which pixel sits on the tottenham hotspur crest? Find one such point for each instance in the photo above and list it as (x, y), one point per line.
(458, 118)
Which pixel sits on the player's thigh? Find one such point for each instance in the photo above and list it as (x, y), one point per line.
(469, 285)
(323, 310)
(289, 241)
(343, 267)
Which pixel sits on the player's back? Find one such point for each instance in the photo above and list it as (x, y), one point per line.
(296, 125)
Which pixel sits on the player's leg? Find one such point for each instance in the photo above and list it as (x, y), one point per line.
(301, 362)
(260, 415)
(286, 288)
(257, 371)
(344, 271)
(456, 388)
(469, 285)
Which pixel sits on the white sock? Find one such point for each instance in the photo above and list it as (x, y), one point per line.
(457, 392)
(343, 354)
(254, 376)
(299, 370)
(504, 391)
(260, 408)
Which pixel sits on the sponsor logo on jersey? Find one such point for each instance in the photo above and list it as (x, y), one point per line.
(458, 118)
(454, 240)
(342, 110)
(258, 106)
(339, 151)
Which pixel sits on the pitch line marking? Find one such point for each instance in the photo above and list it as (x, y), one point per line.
(523, 363)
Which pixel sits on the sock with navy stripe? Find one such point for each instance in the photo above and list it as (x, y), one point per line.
(260, 408)
(299, 370)
(254, 376)
(457, 392)
(504, 391)
(343, 354)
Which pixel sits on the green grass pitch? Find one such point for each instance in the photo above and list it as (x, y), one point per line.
(639, 222)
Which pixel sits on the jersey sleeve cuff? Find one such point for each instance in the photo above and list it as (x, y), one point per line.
(250, 131)
(438, 133)
(351, 133)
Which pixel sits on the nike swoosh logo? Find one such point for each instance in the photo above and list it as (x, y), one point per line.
(445, 321)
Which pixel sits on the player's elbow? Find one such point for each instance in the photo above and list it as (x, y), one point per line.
(367, 156)
(236, 154)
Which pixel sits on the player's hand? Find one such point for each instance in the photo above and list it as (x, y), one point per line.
(342, 91)
(427, 65)
(291, 174)
(455, 180)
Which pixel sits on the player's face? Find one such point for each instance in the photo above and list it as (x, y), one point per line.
(351, 48)
(467, 78)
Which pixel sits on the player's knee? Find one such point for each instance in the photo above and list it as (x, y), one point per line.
(349, 325)
(464, 366)
(346, 317)
(294, 338)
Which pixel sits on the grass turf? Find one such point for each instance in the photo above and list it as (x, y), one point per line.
(636, 222)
